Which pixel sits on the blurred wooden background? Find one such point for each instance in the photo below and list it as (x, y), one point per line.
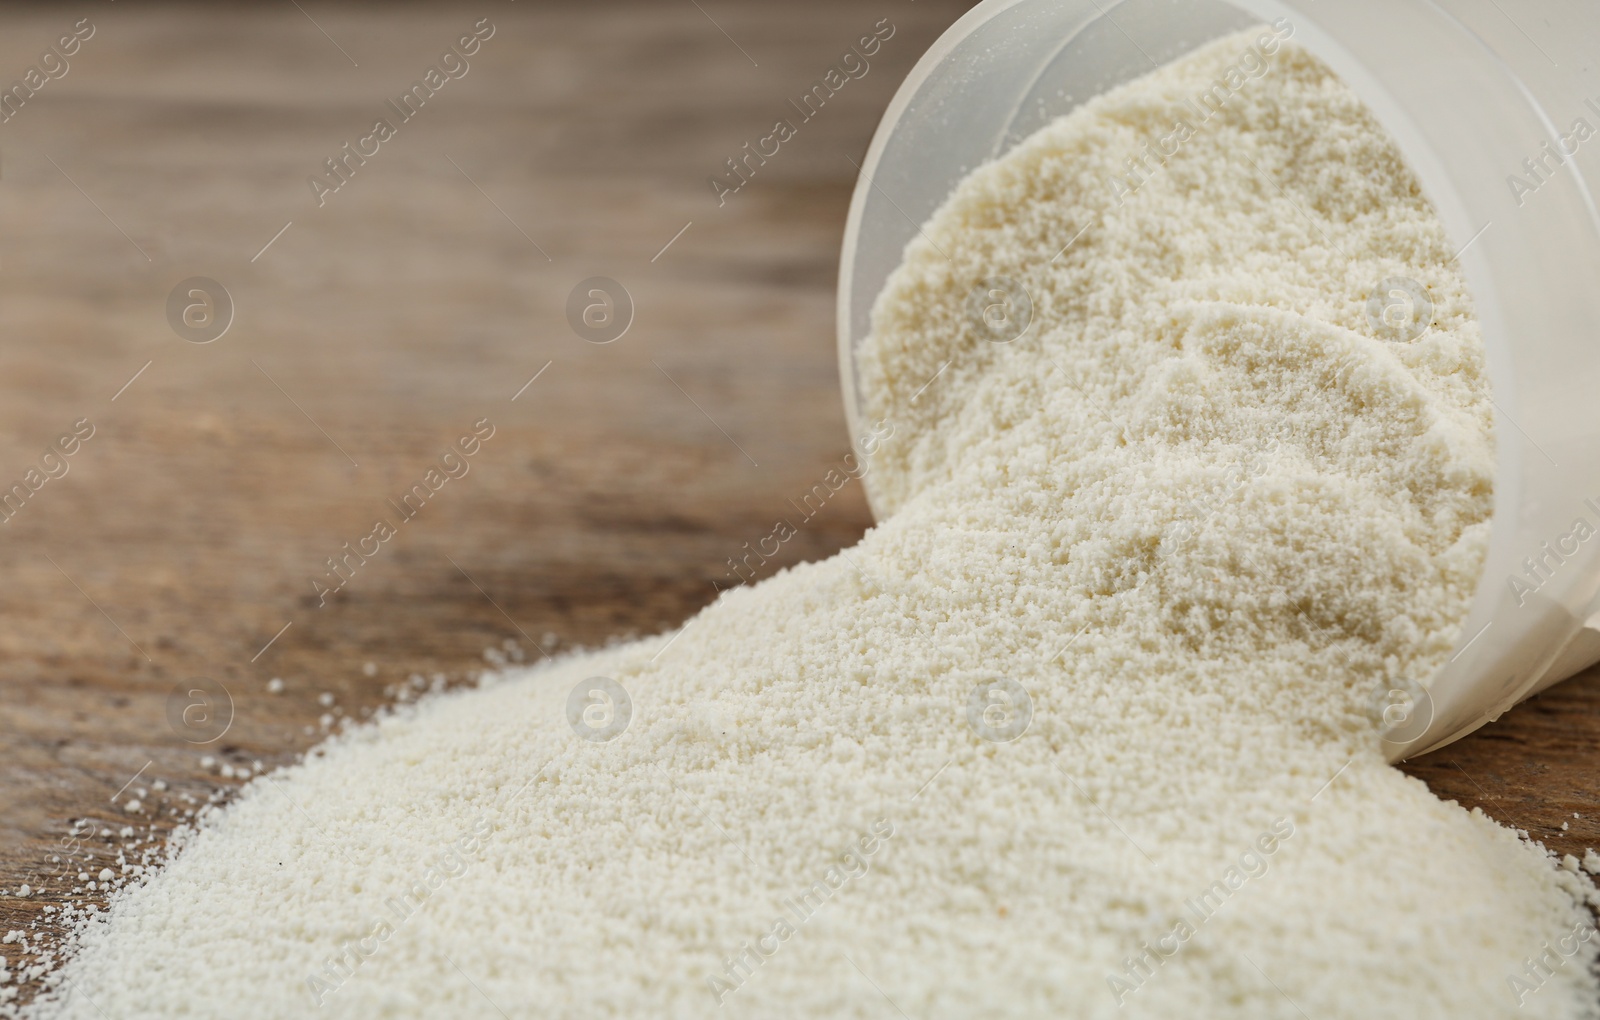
(373, 330)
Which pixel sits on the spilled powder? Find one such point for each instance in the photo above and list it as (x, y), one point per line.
(1186, 527)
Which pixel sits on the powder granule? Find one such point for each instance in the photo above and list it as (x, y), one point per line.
(1198, 515)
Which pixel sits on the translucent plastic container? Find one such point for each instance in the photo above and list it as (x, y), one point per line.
(1470, 89)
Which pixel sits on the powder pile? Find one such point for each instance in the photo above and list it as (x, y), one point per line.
(1184, 528)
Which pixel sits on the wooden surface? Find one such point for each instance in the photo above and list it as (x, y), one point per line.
(379, 327)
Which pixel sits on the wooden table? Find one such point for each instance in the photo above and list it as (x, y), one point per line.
(427, 293)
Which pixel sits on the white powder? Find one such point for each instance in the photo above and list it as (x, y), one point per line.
(1197, 513)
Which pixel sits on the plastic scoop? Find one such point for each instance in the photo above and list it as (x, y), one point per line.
(1476, 104)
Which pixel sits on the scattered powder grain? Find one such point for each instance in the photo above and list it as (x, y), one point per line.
(1198, 514)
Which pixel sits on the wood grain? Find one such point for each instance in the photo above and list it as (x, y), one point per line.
(381, 325)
